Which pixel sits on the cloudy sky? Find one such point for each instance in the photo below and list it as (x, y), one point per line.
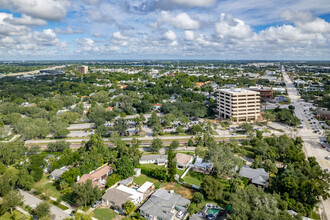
(164, 29)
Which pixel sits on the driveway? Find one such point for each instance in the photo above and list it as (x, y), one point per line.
(32, 201)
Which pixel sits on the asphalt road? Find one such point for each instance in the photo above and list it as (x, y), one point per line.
(311, 139)
(32, 201)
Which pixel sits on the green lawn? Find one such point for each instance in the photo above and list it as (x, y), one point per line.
(143, 178)
(194, 178)
(151, 166)
(104, 214)
(48, 187)
(179, 172)
(247, 151)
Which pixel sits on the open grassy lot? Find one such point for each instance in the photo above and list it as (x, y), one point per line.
(179, 172)
(48, 187)
(183, 191)
(152, 166)
(194, 178)
(143, 178)
(104, 214)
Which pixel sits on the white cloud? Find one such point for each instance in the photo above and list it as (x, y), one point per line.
(26, 20)
(307, 22)
(170, 35)
(195, 3)
(232, 27)
(119, 36)
(8, 29)
(91, 2)
(44, 9)
(189, 35)
(99, 16)
(69, 30)
(181, 21)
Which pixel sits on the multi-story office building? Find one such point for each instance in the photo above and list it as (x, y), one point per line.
(241, 105)
(83, 69)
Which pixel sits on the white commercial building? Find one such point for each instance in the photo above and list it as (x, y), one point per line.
(240, 105)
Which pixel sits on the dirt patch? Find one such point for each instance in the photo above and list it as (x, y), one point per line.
(183, 191)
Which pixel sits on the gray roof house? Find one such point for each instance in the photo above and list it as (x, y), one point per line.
(257, 176)
(158, 159)
(57, 173)
(165, 205)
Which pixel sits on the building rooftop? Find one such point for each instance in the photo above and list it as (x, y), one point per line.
(238, 90)
(258, 176)
(154, 157)
(162, 202)
(145, 187)
(183, 159)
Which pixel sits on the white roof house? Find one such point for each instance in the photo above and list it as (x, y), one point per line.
(135, 197)
(145, 187)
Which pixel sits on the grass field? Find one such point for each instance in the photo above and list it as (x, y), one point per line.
(179, 172)
(48, 187)
(104, 214)
(143, 178)
(183, 191)
(194, 178)
(151, 166)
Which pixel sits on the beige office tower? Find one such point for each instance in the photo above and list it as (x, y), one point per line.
(240, 105)
(83, 69)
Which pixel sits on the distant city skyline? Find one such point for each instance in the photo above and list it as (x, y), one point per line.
(164, 30)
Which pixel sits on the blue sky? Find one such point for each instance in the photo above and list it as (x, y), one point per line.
(164, 29)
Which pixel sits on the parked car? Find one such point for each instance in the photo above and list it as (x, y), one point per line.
(327, 157)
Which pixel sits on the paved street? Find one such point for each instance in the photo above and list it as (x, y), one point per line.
(31, 200)
(311, 139)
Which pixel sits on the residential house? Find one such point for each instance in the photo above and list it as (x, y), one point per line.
(57, 173)
(199, 84)
(98, 177)
(157, 106)
(123, 86)
(146, 188)
(183, 160)
(127, 182)
(116, 197)
(109, 108)
(158, 159)
(202, 166)
(256, 176)
(165, 205)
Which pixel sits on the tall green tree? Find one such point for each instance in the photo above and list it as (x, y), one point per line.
(156, 144)
(171, 164)
(11, 200)
(124, 167)
(129, 208)
(85, 193)
(42, 210)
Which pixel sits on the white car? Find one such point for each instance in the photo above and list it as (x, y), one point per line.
(327, 157)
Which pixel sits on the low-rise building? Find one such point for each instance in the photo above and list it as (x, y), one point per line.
(257, 176)
(116, 197)
(265, 92)
(165, 205)
(57, 173)
(183, 160)
(98, 177)
(202, 166)
(158, 159)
